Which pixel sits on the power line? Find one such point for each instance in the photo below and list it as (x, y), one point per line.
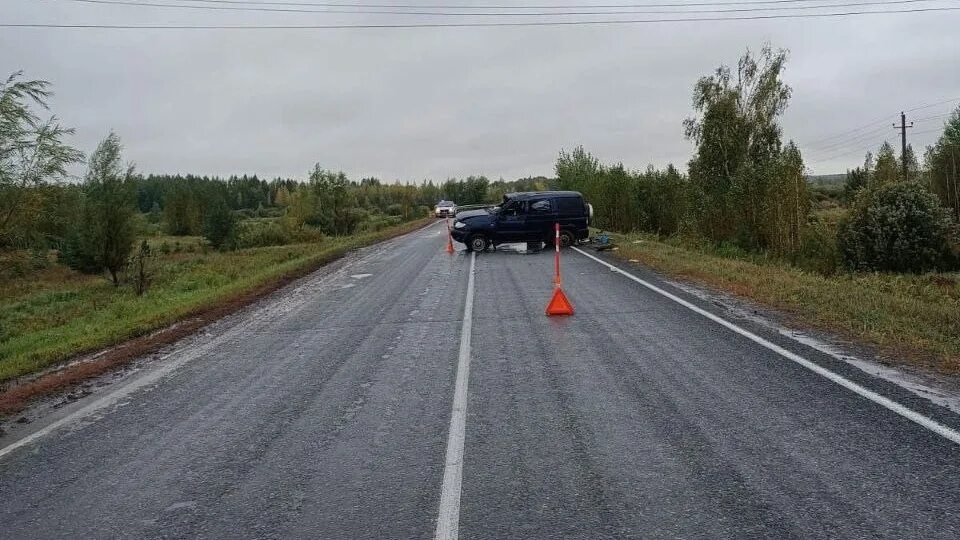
(853, 140)
(500, 6)
(933, 117)
(365, 11)
(607, 22)
(862, 146)
(855, 132)
(927, 106)
(831, 158)
(884, 119)
(859, 148)
(935, 130)
(851, 136)
(855, 143)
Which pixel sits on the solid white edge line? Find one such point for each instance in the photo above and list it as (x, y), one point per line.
(448, 517)
(934, 426)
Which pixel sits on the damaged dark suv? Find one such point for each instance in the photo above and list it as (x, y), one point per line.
(525, 217)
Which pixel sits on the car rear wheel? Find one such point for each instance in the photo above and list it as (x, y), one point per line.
(566, 239)
(477, 242)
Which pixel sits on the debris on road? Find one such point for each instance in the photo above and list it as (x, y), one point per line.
(602, 242)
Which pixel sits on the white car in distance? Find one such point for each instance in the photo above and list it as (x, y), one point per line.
(445, 209)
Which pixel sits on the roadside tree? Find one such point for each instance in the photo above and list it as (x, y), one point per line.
(887, 169)
(106, 233)
(943, 165)
(220, 225)
(737, 140)
(32, 153)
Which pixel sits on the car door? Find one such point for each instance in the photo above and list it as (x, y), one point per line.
(540, 219)
(572, 213)
(512, 222)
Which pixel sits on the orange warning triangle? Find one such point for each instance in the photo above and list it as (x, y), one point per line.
(559, 305)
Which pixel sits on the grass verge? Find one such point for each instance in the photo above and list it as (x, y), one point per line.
(57, 314)
(913, 319)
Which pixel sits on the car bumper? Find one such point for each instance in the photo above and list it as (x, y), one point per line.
(459, 235)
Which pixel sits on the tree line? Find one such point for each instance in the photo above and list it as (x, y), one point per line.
(743, 184)
(745, 188)
(98, 224)
(942, 170)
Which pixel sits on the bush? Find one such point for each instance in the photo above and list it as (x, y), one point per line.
(77, 253)
(219, 226)
(142, 226)
(349, 220)
(261, 233)
(377, 222)
(22, 263)
(306, 234)
(898, 227)
(818, 249)
(274, 232)
(268, 211)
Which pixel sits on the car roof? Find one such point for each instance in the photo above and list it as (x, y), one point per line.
(523, 195)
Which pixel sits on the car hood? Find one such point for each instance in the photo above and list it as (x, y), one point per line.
(467, 214)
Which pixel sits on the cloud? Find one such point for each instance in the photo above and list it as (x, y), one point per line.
(432, 103)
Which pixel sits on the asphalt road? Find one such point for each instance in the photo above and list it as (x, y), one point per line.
(325, 412)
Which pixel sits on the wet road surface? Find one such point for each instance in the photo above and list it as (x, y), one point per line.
(325, 412)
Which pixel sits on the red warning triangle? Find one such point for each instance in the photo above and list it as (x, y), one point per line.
(559, 305)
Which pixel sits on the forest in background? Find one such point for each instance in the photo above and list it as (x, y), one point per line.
(100, 223)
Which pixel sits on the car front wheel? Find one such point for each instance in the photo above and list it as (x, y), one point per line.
(477, 242)
(566, 239)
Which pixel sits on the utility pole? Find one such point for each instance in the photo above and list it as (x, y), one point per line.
(903, 141)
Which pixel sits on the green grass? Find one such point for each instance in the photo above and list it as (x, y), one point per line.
(54, 314)
(914, 319)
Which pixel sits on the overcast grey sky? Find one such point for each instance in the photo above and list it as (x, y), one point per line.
(411, 104)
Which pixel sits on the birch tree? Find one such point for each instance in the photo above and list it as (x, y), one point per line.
(32, 152)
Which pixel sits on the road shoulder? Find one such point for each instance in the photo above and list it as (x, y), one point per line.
(936, 396)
